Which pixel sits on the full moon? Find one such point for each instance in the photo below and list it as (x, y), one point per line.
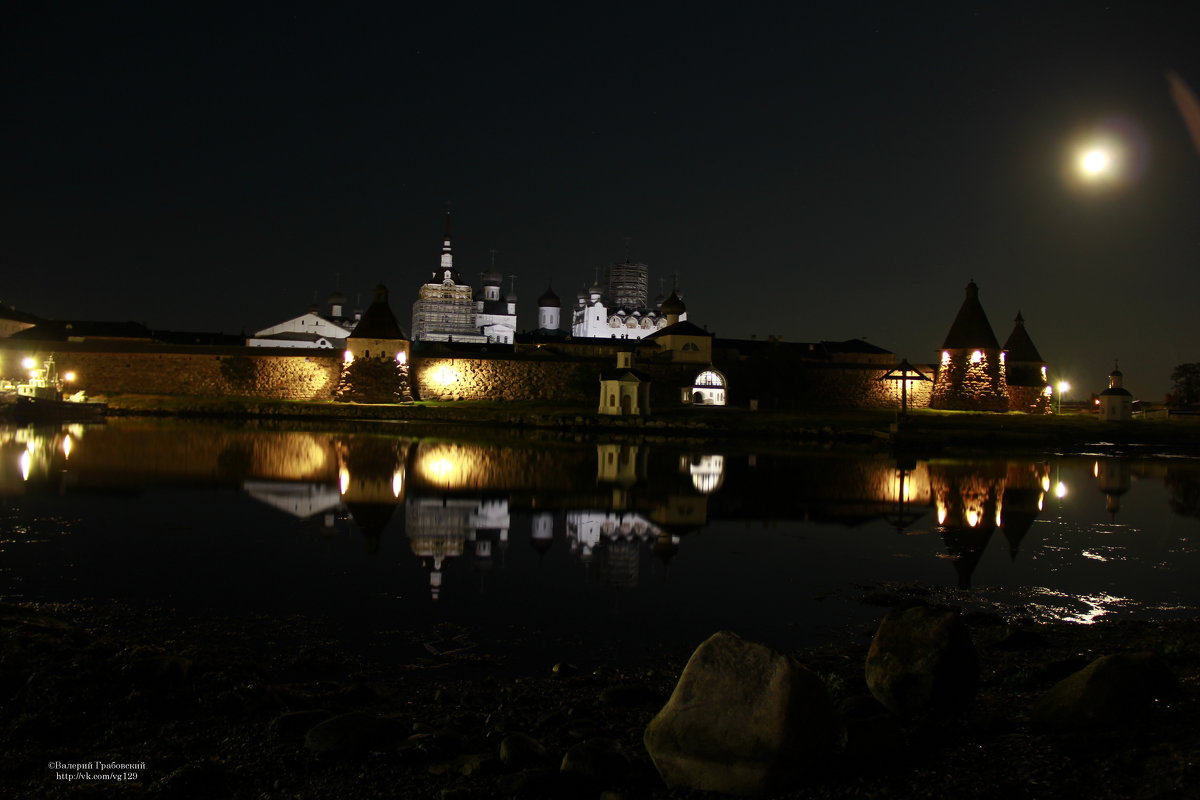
(1094, 162)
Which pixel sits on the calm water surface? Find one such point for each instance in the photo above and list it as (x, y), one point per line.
(600, 551)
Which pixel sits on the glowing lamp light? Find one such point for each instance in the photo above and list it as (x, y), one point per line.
(972, 518)
(26, 462)
(347, 357)
(69, 376)
(343, 480)
(402, 357)
(66, 446)
(1060, 490)
(945, 356)
(976, 357)
(28, 363)
(445, 375)
(1045, 483)
(1063, 387)
(397, 483)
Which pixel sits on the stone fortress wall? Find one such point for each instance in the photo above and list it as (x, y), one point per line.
(115, 367)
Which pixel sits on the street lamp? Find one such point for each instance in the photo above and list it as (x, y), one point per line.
(1063, 386)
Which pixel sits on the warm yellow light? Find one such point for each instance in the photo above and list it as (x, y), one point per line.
(976, 357)
(402, 357)
(69, 376)
(28, 362)
(1094, 162)
(397, 483)
(343, 480)
(445, 375)
(941, 512)
(945, 356)
(1041, 502)
(26, 464)
(439, 470)
(972, 518)
(1045, 483)
(1060, 490)
(1063, 386)
(66, 446)
(1096, 470)
(1049, 392)
(347, 357)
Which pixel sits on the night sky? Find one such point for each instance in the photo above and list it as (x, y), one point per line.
(809, 172)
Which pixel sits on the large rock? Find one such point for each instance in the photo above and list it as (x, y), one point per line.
(1110, 690)
(743, 719)
(922, 660)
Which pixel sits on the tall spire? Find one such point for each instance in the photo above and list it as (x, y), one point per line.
(445, 271)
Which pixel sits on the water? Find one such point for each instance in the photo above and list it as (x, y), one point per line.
(610, 551)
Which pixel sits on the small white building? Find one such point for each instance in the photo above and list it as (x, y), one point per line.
(624, 391)
(1116, 403)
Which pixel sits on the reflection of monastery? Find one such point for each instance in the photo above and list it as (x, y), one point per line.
(613, 512)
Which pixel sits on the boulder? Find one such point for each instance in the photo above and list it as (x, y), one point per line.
(922, 661)
(743, 719)
(1110, 690)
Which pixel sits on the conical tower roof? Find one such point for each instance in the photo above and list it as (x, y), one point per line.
(1019, 346)
(971, 329)
(378, 321)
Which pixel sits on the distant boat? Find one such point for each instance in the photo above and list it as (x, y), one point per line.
(41, 399)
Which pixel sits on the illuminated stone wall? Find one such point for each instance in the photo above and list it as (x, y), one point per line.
(784, 384)
(1030, 399)
(124, 368)
(971, 380)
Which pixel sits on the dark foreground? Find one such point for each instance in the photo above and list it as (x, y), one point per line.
(271, 708)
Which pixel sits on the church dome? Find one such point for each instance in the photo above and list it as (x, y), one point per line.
(673, 305)
(549, 299)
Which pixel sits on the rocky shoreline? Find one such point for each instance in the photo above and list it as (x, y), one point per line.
(276, 708)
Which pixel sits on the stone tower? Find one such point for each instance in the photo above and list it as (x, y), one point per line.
(971, 373)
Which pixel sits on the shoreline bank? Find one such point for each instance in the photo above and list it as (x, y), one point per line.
(923, 431)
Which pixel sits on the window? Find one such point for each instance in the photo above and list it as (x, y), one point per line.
(710, 378)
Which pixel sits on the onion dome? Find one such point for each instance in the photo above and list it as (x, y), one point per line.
(673, 305)
(549, 299)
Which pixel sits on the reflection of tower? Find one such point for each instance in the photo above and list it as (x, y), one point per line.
(543, 532)
(968, 498)
(437, 530)
(1024, 496)
(1114, 478)
(371, 482)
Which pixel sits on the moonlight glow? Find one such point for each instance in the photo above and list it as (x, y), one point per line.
(1095, 161)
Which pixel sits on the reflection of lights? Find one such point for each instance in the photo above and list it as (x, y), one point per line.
(972, 518)
(1041, 501)
(941, 512)
(397, 482)
(26, 463)
(1045, 483)
(343, 480)
(66, 446)
(998, 522)
(1060, 490)
(1096, 470)
(708, 473)
(438, 469)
